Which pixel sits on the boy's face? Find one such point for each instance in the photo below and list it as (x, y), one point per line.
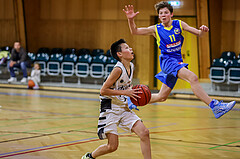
(126, 53)
(165, 15)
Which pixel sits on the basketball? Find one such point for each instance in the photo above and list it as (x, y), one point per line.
(145, 95)
(31, 84)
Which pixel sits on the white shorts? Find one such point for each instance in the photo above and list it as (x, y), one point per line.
(110, 118)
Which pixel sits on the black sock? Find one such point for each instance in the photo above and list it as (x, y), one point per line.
(90, 155)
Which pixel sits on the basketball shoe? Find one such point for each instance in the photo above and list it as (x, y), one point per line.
(220, 108)
(87, 156)
(131, 105)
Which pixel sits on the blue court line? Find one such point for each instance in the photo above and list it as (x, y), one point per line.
(47, 96)
(36, 148)
(96, 99)
(70, 142)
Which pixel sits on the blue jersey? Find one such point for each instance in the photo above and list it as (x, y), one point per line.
(170, 39)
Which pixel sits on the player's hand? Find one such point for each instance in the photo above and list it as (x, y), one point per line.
(133, 93)
(204, 28)
(129, 11)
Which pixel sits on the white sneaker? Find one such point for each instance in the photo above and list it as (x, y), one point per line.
(12, 79)
(24, 80)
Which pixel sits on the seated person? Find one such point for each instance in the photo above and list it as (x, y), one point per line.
(35, 76)
(18, 59)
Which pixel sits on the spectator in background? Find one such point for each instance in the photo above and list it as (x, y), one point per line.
(18, 59)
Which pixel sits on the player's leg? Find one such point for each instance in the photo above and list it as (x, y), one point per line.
(218, 108)
(143, 133)
(111, 146)
(162, 95)
(197, 89)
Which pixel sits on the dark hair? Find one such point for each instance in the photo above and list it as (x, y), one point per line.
(163, 4)
(115, 47)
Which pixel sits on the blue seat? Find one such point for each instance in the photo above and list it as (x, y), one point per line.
(53, 65)
(97, 52)
(111, 62)
(218, 70)
(97, 68)
(42, 59)
(108, 53)
(67, 66)
(228, 55)
(69, 51)
(83, 51)
(32, 56)
(6, 48)
(234, 72)
(82, 66)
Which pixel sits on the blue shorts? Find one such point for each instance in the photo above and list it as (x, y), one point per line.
(170, 67)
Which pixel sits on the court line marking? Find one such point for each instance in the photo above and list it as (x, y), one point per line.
(225, 144)
(63, 126)
(47, 96)
(96, 99)
(70, 143)
(14, 153)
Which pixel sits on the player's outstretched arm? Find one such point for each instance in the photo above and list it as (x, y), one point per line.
(130, 14)
(199, 32)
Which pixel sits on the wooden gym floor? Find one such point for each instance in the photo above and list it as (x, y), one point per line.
(62, 125)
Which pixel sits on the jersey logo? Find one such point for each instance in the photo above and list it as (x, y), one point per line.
(177, 31)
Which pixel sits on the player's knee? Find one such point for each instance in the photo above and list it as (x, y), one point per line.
(194, 79)
(144, 134)
(112, 148)
(162, 98)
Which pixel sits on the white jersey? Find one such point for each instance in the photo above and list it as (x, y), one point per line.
(123, 83)
(35, 76)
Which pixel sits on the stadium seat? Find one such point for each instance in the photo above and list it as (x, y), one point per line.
(67, 66)
(218, 70)
(56, 51)
(97, 68)
(53, 65)
(44, 50)
(6, 48)
(83, 52)
(234, 72)
(32, 56)
(82, 66)
(69, 51)
(108, 53)
(228, 55)
(42, 59)
(97, 52)
(109, 65)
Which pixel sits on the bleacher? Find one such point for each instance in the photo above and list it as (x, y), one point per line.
(225, 72)
(81, 64)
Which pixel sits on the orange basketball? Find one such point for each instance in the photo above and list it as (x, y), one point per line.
(145, 95)
(31, 84)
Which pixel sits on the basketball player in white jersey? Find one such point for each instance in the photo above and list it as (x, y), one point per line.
(114, 109)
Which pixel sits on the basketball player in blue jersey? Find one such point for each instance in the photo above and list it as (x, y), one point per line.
(169, 39)
(114, 111)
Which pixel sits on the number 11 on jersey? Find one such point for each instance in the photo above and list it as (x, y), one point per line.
(172, 37)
